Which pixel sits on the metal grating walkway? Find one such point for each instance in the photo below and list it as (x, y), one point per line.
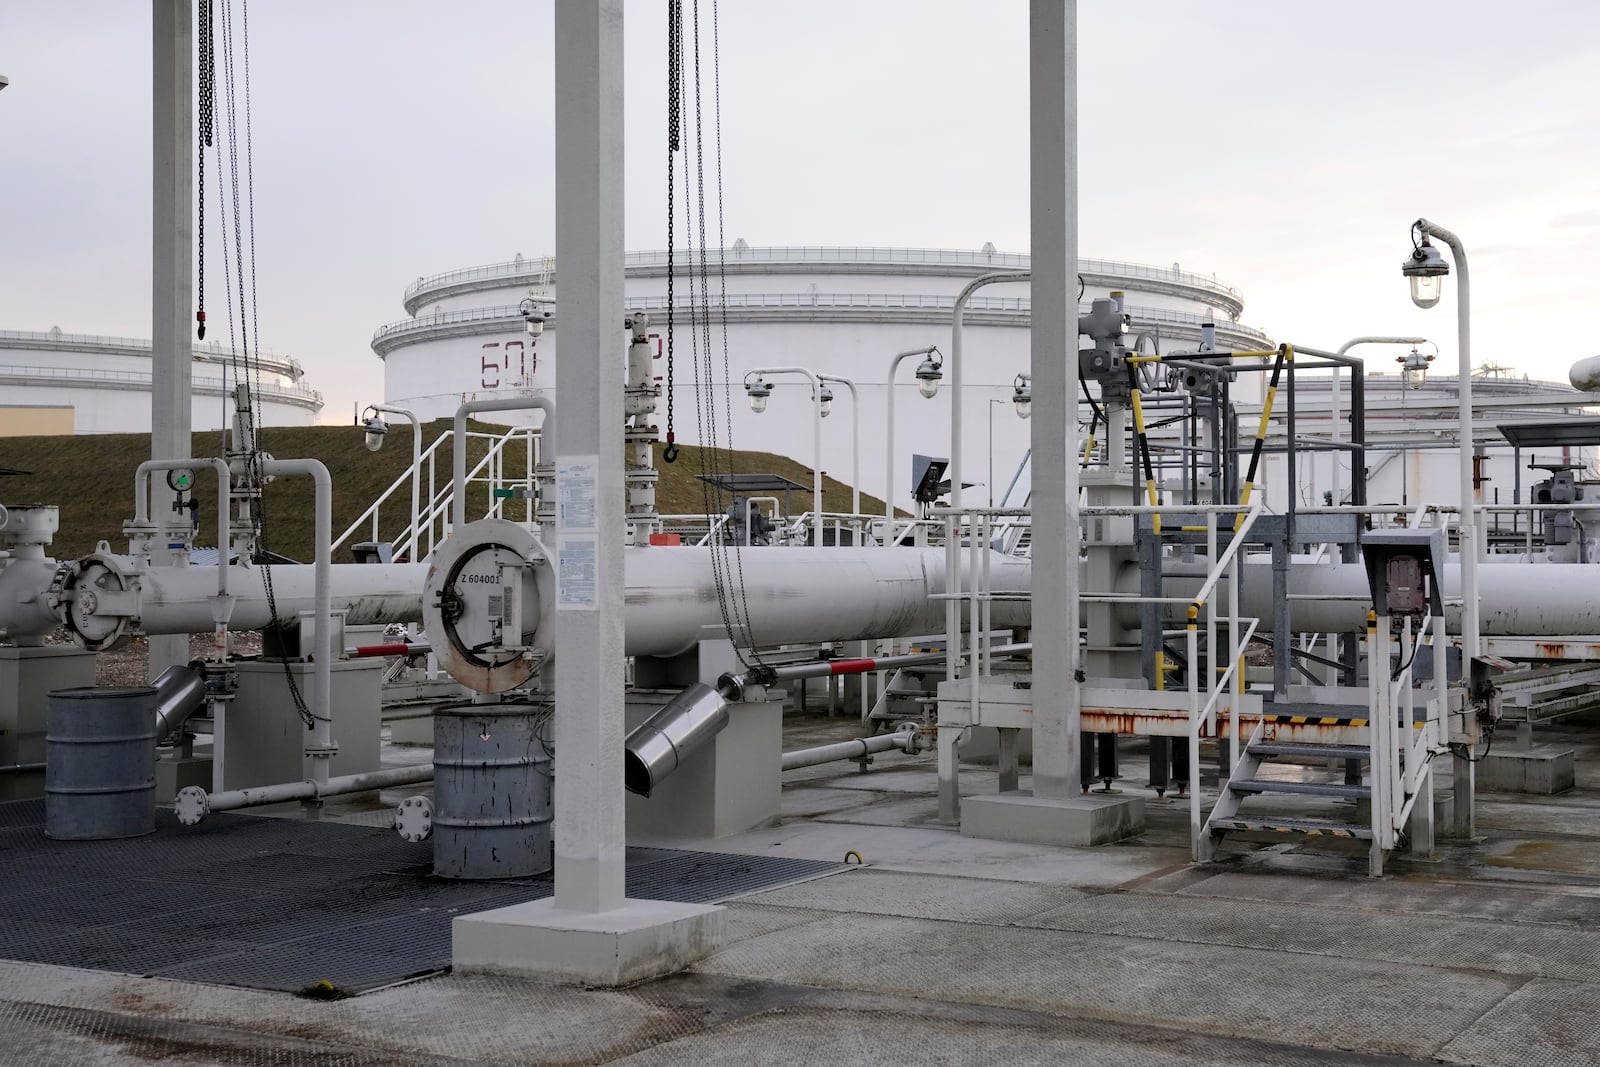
(279, 904)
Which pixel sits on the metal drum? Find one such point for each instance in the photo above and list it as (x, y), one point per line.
(491, 790)
(100, 763)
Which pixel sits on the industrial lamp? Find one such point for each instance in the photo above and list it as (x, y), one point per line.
(1414, 366)
(929, 375)
(824, 401)
(1022, 395)
(757, 391)
(1426, 268)
(375, 428)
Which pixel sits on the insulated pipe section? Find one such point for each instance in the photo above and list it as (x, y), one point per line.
(656, 747)
(855, 748)
(1514, 599)
(193, 804)
(180, 692)
(802, 595)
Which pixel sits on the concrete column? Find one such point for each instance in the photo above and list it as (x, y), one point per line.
(589, 932)
(172, 244)
(589, 802)
(1053, 133)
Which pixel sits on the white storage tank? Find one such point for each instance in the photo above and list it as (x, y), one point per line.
(843, 311)
(61, 383)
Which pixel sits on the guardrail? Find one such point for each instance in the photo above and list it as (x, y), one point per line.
(825, 254)
(1019, 305)
(295, 393)
(433, 514)
(210, 351)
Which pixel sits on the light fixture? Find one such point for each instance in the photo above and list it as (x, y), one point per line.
(929, 375)
(1022, 395)
(375, 428)
(1415, 368)
(1426, 268)
(824, 401)
(757, 391)
(533, 316)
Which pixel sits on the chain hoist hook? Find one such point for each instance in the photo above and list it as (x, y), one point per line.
(670, 453)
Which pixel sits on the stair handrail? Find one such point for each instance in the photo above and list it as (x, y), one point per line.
(438, 503)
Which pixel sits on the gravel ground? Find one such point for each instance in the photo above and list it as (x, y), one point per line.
(129, 664)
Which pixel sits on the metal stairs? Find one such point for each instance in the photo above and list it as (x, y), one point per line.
(1247, 783)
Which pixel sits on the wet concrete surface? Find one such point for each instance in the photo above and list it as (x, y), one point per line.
(945, 949)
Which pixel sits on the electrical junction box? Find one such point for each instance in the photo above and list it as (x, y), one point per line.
(1402, 570)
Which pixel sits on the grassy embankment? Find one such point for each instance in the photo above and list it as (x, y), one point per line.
(90, 477)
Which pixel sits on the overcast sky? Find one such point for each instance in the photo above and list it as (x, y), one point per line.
(1285, 147)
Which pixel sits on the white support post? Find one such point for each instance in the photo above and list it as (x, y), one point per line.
(589, 932)
(172, 274)
(589, 844)
(1053, 133)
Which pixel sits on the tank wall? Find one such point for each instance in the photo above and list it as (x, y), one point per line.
(127, 410)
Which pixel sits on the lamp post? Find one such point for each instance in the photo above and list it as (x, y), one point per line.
(376, 427)
(758, 390)
(1333, 414)
(1426, 269)
(955, 369)
(992, 403)
(929, 372)
(1022, 399)
(855, 439)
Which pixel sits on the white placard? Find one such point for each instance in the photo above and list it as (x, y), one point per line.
(576, 575)
(576, 478)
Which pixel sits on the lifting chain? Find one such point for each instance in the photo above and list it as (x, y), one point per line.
(207, 123)
(674, 79)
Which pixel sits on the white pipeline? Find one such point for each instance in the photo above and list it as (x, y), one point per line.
(852, 749)
(194, 804)
(794, 595)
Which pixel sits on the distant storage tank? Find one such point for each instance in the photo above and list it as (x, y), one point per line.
(843, 311)
(63, 383)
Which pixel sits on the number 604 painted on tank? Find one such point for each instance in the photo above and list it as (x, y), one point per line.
(496, 357)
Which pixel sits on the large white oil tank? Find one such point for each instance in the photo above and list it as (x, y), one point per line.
(53, 382)
(842, 311)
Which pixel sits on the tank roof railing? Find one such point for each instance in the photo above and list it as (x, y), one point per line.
(300, 395)
(208, 351)
(537, 265)
(1016, 304)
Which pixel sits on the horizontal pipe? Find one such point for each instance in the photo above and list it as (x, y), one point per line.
(831, 667)
(800, 595)
(21, 768)
(393, 648)
(852, 749)
(194, 804)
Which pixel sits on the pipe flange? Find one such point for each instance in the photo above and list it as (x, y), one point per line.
(413, 819)
(192, 805)
(487, 602)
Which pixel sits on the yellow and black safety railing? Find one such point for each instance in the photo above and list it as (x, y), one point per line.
(1143, 445)
(1285, 354)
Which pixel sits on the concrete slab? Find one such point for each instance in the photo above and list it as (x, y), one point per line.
(1087, 820)
(1543, 1024)
(642, 939)
(1394, 1008)
(868, 891)
(1542, 770)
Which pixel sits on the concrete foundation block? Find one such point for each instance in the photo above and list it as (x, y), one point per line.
(1541, 770)
(1087, 820)
(642, 939)
(175, 772)
(417, 730)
